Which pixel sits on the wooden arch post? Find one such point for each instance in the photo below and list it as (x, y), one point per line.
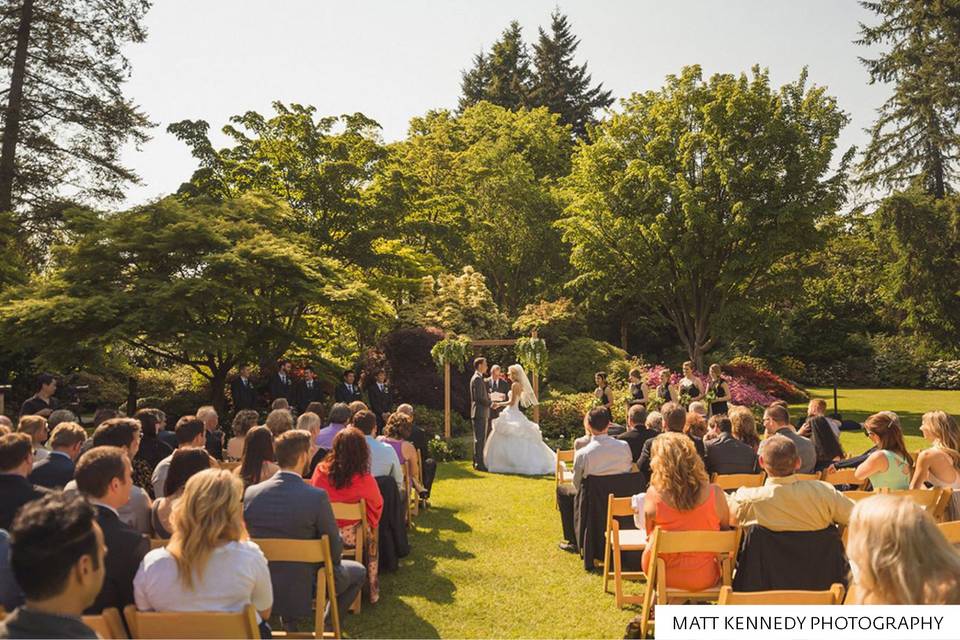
(477, 344)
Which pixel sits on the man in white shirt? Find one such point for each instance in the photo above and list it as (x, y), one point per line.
(383, 457)
(602, 456)
(190, 435)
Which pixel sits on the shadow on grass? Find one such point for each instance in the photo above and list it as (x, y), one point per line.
(443, 519)
(457, 471)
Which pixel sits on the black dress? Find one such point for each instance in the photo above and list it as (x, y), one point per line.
(664, 392)
(636, 394)
(690, 390)
(719, 389)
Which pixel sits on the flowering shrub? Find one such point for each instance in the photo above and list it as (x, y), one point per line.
(943, 374)
(766, 382)
(741, 390)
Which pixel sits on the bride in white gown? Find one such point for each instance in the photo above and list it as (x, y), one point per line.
(515, 444)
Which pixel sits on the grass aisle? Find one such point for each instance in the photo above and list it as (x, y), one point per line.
(485, 563)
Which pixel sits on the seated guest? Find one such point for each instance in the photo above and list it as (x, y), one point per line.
(278, 421)
(104, 477)
(16, 462)
(899, 556)
(637, 430)
(744, 426)
(345, 475)
(695, 425)
(214, 436)
(11, 596)
(35, 427)
(776, 421)
(257, 462)
(681, 498)
(818, 409)
(726, 454)
(190, 435)
(56, 470)
(384, 460)
(397, 435)
(357, 405)
(419, 439)
(151, 450)
(280, 404)
(168, 438)
(284, 506)
(185, 464)
(318, 408)
(210, 564)
(890, 466)
(340, 415)
(6, 425)
(699, 408)
(310, 422)
(940, 464)
(245, 420)
(602, 456)
(57, 556)
(674, 421)
(99, 417)
(59, 416)
(825, 442)
(785, 503)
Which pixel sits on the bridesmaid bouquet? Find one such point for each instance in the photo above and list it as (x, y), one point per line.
(711, 396)
(655, 402)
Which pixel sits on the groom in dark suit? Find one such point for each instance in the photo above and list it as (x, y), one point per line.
(479, 411)
(242, 391)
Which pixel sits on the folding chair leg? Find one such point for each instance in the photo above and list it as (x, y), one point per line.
(606, 563)
(647, 603)
(617, 572)
(355, 606)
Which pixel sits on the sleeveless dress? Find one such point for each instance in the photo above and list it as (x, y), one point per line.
(897, 475)
(515, 445)
(664, 392)
(690, 389)
(688, 571)
(636, 395)
(601, 395)
(718, 388)
(953, 508)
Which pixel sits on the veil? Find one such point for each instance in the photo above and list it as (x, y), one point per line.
(527, 397)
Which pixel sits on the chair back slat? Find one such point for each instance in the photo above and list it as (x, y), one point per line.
(842, 477)
(857, 496)
(832, 596)
(287, 550)
(565, 455)
(730, 481)
(183, 625)
(619, 507)
(108, 625)
(348, 510)
(696, 541)
(951, 530)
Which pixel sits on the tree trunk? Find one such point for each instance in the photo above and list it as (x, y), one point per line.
(218, 383)
(623, 334)
(13, 114)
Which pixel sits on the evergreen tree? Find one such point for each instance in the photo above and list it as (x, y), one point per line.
(559, 84)
(503, 77)
(64, 116)
(915, 137)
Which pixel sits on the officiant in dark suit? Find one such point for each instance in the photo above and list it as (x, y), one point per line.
(307, 390)
(381, 398)
(242, 391)
(496, 383)
(281, 383)
(347, 391)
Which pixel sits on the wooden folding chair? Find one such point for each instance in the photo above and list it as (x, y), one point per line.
(853, 595)
(722, 543)
(834, 595)
(108, 625)
(562, 474)
(310, 552)
(857, 496)
(184, 625)
(807, 476)
(951, 531)
(353, 511)
(931, 500)
(617, 541)
(733, 481)
(843, 477)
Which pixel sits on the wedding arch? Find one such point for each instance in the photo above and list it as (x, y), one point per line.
(474, 346)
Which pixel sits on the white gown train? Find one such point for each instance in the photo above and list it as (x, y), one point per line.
(515, 445)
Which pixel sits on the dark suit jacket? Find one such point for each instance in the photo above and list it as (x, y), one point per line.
(501, 386)
(728, 455)
(125, 549)
(15, 491)
(244, 395)
(636, 439)
(303, 395)
(53, 472)
(278, 389)
(380, 401)
(643, 463)
(214, 444)
(418, 438)
(342, 394)
(805, 560)
(284, 506)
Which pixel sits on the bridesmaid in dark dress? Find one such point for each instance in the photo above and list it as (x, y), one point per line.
(638, 388)
(665, 391)
(720, 391)
(690, 385)
(603, 393)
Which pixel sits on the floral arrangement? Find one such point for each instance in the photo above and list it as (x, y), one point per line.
(532, 354)
(453, 350)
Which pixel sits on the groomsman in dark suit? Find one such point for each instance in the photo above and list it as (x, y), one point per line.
(381, 398)
(347, 391)
(244, 395)
(307, 390)
(281, 383)
(496, 383)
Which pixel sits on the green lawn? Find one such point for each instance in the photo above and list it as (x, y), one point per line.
(485, 563)
(909, 404)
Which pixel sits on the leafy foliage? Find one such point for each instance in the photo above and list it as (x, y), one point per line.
(460, 304)
(532, 354)
(944, 374)
(503, 77)
(573, 365)
(452, 351)
(555, 321)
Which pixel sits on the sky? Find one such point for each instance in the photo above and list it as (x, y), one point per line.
(211, 59)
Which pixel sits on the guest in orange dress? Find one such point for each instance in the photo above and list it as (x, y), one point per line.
(681, 498)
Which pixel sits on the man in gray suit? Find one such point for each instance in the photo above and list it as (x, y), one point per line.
(285, 506)
(479, 411)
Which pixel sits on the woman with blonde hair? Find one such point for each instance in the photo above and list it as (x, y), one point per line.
(744, 426)
(899, 556)
(940, 464)
(681, 498)
(890, 466)
(210, 563)
(718, 391)
(690, 387)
